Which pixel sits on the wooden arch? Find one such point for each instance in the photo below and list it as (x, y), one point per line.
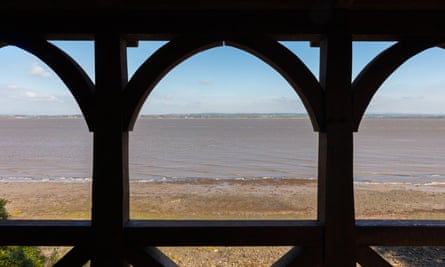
(378, 70)
(270, 51)
(74, 77)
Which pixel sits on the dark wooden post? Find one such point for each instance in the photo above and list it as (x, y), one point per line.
(110, 209)
(335, 192)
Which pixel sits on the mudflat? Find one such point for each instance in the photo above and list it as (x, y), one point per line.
(235, 199)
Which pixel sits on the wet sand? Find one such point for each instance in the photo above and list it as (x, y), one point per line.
(234, 199)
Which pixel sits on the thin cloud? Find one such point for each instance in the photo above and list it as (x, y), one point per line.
(34, 96)
(38, 70)
(206, 82)
(12, 86)
(8, 87)
(6, 90)
(412, 97)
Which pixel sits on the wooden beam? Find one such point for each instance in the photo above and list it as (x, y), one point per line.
(379, 69)
(400, 233)
(159, 5)
(223, 233)
(76, 257)
(179, 5)
(335, 165)
(289, 65)
(68, 70)
(44, 232)
(155, 68)
(300, 257)
(269, 50)
(150, 256)
(230, 233)
(110, 207)
(344, 3)
(336, 4)
(367, 257)
(302, 23)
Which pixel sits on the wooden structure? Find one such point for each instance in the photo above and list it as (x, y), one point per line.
(111, 104)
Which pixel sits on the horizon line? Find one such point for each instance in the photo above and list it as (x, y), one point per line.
(242, 114)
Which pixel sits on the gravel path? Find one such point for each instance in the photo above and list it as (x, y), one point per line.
(266, 256)
(225, 256)
(414, 256)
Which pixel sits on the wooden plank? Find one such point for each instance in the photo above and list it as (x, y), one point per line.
(273, 53)
(335, 165)
(110, 196)
(180, 5)
(69, 71)
(400, 233)
(300, 257)
(290, 67)
(296, 24)
(44, 233)
(76, 257)
(169, 233)
(367, 257)
(110, 155)
(223, 233)
(153, 69)
(176, 5)
(150, 256)
(379, 69)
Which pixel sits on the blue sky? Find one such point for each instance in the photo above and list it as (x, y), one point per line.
(222, 79)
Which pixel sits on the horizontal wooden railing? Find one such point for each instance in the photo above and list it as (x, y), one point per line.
(400, 233)
(223, 233)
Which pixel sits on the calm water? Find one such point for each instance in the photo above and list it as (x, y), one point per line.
(386, 150)
(223, 148)
(401, 150)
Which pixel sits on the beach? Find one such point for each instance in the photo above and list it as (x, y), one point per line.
(233, 199)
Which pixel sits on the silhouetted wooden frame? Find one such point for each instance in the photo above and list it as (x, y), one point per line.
(335, 105)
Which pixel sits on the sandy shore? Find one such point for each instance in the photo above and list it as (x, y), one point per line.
(260, 199)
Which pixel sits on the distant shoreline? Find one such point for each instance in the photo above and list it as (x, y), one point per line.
(236, 116)
(227, 116)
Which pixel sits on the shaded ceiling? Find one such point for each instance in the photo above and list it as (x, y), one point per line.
(284, 20)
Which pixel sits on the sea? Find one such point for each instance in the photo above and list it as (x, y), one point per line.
(387, 149)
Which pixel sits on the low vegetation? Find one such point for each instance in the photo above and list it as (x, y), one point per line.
(19, 256)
